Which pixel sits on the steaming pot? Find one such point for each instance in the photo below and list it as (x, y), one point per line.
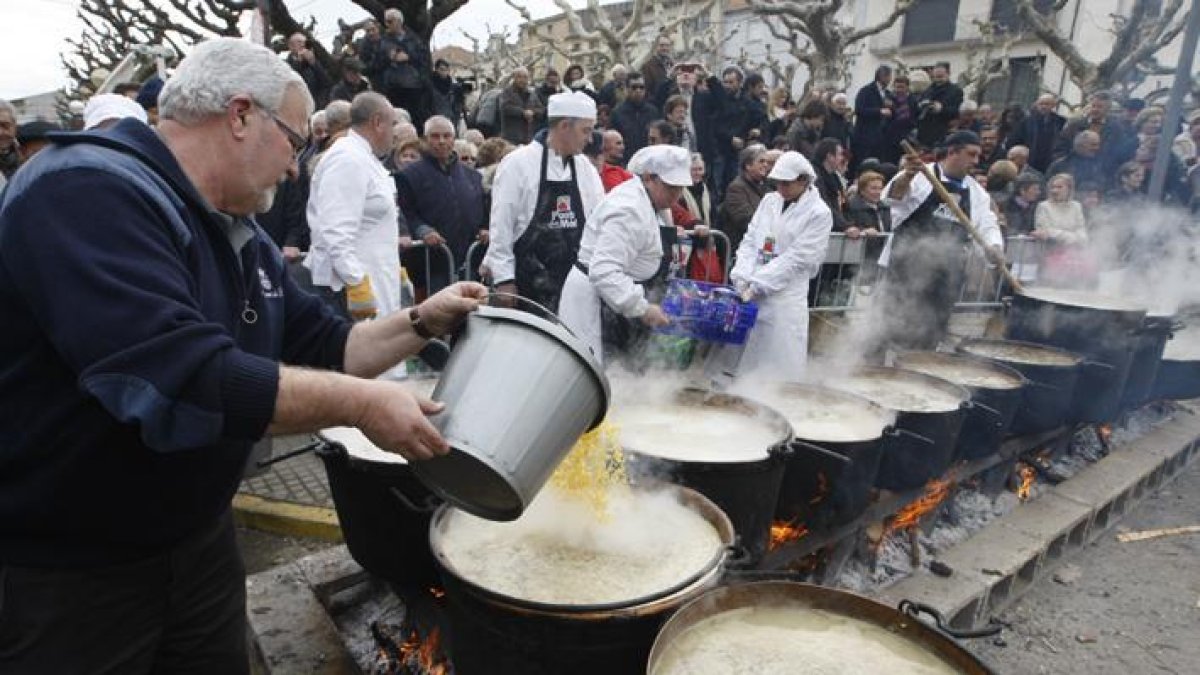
(1051, 377)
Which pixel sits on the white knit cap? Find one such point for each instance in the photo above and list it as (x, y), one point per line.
(790, 166)
(103, 107)
(671, 163)
(576, 104)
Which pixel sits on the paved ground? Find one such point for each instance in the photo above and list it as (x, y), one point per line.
(299, 480)
(1124, 609)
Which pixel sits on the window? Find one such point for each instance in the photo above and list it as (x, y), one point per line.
(930, 22)
(1022, 85)
(1007, 18)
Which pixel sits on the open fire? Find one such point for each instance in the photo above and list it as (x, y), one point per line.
(409, 653)
(1104, 432)
(1026, 474)
(785, 532)
(910, 516)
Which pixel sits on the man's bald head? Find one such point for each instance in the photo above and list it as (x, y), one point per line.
(614, 147)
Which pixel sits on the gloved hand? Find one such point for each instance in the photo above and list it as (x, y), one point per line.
(360, 301)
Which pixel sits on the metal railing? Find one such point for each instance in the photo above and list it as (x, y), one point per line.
(478, 249)
(430, 268)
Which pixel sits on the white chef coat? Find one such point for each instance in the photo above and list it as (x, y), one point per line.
(777, 348)
(514, 196)
(354, 220)
(621, 246)
(919, 190)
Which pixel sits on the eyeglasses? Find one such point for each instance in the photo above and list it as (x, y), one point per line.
(296, 140)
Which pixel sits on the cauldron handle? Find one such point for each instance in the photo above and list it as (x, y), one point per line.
(992, 412)
(822, 451)
(302, 450)
(909, 434)
(428, 506)
(915, 609)
(737, 554)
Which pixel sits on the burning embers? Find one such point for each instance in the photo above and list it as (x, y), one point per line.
(910, 516)
(1026, 477)
(786, 532)
(407, 652)
(1104, 432)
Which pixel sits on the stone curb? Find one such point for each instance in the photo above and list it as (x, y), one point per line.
(286, 518)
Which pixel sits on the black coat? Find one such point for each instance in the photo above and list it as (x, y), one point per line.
(1040, 134)
(632, 120)
(932, 126)
(898, 128)
(869, 121)
(314, 77)
(865, 216)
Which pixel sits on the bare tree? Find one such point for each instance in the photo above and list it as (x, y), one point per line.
(1137, 38)
(817, 39)
(989, 59)
(113, 27)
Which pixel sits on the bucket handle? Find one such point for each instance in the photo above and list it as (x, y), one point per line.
(541, 308)
(914, 610)
(822, 451)
(428, 505)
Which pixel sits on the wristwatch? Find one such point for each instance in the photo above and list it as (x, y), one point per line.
(419, 327)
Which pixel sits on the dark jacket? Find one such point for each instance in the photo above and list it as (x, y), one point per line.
(1117, 145)
(803, 139)
(865, 216)
(344, 91)
(315, 78)
(733, 116)
(833, 193)
(611, 94)
(837, 127)
(899, 127)
(741, 201)
(131, 386)
(373, 56)
(1018, 218)
(632, 120)
(1040, 134)
(932, 126)
(868, 121)
(1085, 170)
(446, 97)
(514, 128)
(446, 199)
(656, 71)
(287, 220)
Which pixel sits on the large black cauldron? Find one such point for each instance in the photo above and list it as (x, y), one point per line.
(1051, 375)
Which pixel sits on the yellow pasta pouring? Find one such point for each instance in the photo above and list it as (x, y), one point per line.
(593, 469)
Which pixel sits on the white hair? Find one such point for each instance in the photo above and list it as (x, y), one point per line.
(393, 13)
(402, 115)
(366, 105)
(618, 69)
(968, 106)
(435, 120)
(7, 107)
(337, 115)
(317, 118)
(463, 147)
(220, 69)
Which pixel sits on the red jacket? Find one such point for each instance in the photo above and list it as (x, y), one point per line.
(611, 176)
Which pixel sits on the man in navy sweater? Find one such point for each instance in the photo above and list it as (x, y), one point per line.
(151, 335)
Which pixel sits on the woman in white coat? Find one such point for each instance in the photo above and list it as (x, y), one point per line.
(783, 248)
(621, 250)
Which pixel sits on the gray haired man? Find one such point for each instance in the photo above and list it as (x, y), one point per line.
(160, 337)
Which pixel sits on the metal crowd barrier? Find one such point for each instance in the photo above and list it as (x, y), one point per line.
(478, 249)
(430, 268)
(850, 273)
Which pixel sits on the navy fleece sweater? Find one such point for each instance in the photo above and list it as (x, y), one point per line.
(131, 384)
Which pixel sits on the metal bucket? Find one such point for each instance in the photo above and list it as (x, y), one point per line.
(519, 392)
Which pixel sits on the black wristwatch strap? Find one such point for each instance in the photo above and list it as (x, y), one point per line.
(419, 326)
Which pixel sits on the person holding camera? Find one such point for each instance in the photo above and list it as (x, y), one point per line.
(938, 107)
(304, 61)
(406, 79)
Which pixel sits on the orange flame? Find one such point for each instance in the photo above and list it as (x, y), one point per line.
(1104, 432)
(424, 656)
(1028, 475)
(437, 593)
(910, 516)
(785, 532)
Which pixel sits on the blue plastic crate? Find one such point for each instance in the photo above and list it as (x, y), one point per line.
(707, 311)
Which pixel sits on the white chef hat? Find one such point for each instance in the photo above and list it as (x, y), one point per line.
(576, 105)
(790, 166)
(671, 163)
(103, 107)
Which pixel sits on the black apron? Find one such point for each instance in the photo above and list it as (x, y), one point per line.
(549, 246)
(926, 270)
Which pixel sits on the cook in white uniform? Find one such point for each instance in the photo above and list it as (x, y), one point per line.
(622, 250)
(353, 215)
(783, 248)
(541, 199)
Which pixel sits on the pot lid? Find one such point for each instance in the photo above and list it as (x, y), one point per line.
(1026, 353)
(358, 446)
(1084, 299)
